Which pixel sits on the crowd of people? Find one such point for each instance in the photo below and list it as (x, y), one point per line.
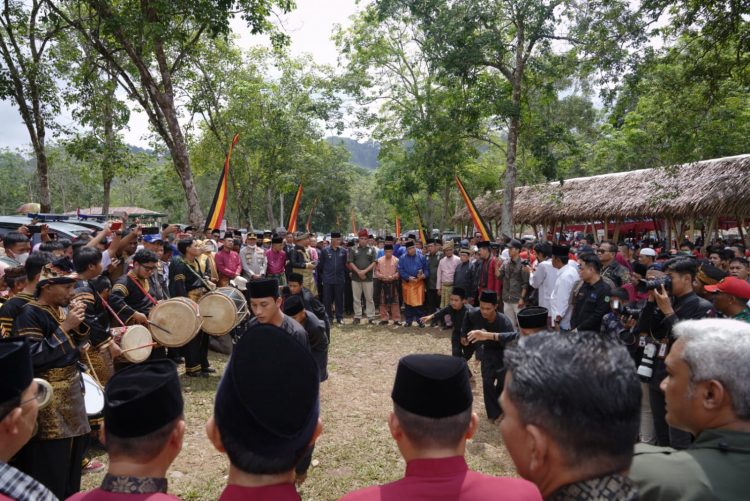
(616, 371)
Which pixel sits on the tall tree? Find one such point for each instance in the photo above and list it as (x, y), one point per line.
(149, 45)
(27, 33)
(505, 38)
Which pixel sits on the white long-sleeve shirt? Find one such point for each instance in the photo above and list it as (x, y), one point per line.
(567, 276)
(543, 278)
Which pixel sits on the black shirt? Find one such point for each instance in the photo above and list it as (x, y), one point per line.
(590, 305)
(473, 320)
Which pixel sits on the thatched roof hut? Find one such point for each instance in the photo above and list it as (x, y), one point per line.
(705, 189)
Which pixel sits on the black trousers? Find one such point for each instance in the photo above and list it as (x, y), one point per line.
(196, 353)
(432, 303)
(376, 286)
(666, 436)
(334, 293)
(54, 463)
(348, 297)
(492, 374)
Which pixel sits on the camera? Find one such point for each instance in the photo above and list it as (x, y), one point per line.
(624, 310)
(646, 367)
(525, 262)
(649, 285)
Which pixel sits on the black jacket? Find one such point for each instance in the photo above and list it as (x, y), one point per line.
(590, 305)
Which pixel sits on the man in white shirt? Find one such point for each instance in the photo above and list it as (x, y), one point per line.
(544, 276)
(561, 310)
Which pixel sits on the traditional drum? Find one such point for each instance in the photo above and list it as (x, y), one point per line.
(222, 310)
(174, 322)
(136, 344)
(93, 395)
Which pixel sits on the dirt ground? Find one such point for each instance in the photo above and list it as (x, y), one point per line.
(355, 449)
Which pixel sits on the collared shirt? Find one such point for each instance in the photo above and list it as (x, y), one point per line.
(605, 488)
(515, 280)
(387, 269)
(567, 276)
(361, 258)
(276, 262)
(715, 467)
(446, 270)
(332, 265)
(21, 487)
(228, 263)
(409, 266)
(116, 488)
(617, 273)
(591, 304)
(433, 261)
(253, 261)
(543, 278)
(279, 492)
(446, 479)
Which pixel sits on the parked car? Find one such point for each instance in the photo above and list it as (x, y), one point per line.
(62, 230)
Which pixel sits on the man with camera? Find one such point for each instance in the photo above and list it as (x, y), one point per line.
(671, 299)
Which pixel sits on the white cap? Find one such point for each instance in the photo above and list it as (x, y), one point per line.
(648, 251)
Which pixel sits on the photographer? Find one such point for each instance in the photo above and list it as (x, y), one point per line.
(671, 299)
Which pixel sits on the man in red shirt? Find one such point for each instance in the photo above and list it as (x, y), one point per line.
(264, 432)
(228, 263)
(431, 421)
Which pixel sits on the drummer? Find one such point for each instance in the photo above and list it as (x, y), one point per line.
(20, 400)
(143, 433)
(54, 457)
(131, 298)
(88, 264)
(189, 278)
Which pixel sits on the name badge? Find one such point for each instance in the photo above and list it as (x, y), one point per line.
(663, 350)
(642, 341)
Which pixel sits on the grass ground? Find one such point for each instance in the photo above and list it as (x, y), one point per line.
(355, 449)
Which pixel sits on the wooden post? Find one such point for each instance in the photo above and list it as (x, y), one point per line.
(656, 228)
(709, 234)
(739, 229)
(562, 229)
(616, 236)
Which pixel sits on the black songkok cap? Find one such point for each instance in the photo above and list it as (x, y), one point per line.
(439, 241)
(263, 288)
(430, 241)
(293, 305)
(389, 238)
(434, 386)
(16, 371)
(483, 243)
(142, 398)
(560, 250)
(409, 243)
(459, 291)
(295, 277)
(335, 234)
(412, 236)
(533, 317)
(488, 296)
(277, 240)
(516, 243)
(268, 398)
(388, 247)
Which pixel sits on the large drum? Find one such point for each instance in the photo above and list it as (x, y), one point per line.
(175, 322)
(136, 344)
(93, 395)
(222, 310)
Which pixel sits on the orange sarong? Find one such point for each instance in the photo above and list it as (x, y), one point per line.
(413, 292)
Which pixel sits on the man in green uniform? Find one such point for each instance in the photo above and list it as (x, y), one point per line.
(730, 298)
(708, 395)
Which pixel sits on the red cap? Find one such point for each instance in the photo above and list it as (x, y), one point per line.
(733, 286)
(363, 233)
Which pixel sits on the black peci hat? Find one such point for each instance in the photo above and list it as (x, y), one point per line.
(335, 234)
(295, 277)
(263, 288)
(488, 296)
(560, 250)
(16, 371)
(533, 317)
(293, 305)
(459, 291)
(409, 243)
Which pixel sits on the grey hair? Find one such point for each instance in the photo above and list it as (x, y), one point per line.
(719, 349)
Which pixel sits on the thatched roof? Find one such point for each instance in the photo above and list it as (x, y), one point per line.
(718, 187)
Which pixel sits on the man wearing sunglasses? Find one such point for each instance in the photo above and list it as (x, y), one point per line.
(21, 397)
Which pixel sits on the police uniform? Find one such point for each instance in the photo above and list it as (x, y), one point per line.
(714, 467)
(590, 305)
(437, 387)
(140, 399)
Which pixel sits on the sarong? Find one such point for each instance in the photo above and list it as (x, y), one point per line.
(413, 292)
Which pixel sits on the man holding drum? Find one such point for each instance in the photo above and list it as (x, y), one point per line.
(189, 278)
(56, 339)
(131, 299)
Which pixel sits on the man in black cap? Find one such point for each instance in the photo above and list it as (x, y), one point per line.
(465, 275)
(486, 266)
(143, 432)
(315, 328)
(492, 330)
(265, 304)
(532, 320)
(21, 397)
(431, 421)
(55, 455)
(561, 310)
(12, 307)
(456, 310)
(332, 270)
(263, 431)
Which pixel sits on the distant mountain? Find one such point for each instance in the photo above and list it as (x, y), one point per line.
(363, 154)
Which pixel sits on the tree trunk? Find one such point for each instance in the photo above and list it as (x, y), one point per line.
(42, 172)
(281, 209)
(107, 185)
(506, 223)
(446, 198)
(269, 208)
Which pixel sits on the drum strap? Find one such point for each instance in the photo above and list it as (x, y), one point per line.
(109, 308)
(137, 284)
(205, 283)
